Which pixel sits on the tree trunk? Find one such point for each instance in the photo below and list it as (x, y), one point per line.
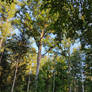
(53, 81)
(28, 83)
(69, 76)
(82, 77)
(39, 57)
(1, 56)
(14, 80)
(1, 43)
(75, 85)
(70, 89)
(82, 86)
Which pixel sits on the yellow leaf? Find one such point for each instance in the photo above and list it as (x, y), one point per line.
(82, 17)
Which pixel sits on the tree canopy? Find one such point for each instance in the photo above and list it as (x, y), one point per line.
(45, 45)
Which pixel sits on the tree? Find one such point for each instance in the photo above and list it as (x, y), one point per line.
(35, 27)
(17, 48)
(7, 12)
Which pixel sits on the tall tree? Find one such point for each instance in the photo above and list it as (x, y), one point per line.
(7, 12)
(34, 23)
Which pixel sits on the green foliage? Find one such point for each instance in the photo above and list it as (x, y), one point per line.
(56, 26)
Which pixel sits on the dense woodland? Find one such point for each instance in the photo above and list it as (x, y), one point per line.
(45, 45)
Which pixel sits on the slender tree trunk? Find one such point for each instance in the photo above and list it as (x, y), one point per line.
(69, 67)
(1, 57)
(39, 58)
(69, 76)
(53, 81)
(82, 86)
(1, 43)
(75, 85)
(82, 83)
(70, 89)
(28, 83)
(82, 77)
(14, 80)
(54, 73)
